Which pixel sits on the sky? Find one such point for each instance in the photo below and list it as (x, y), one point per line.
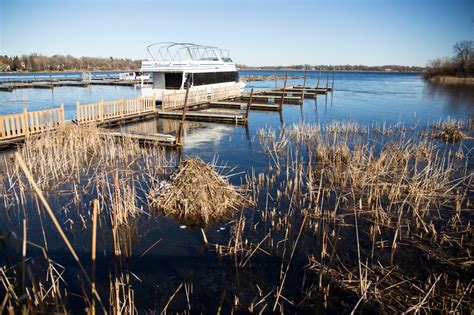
(258, 33)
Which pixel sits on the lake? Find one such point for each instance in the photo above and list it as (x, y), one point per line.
(180, 257)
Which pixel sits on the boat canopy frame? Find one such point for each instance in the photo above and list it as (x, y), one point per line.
(173, 51)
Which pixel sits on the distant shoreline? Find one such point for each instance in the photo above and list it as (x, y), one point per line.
(447, 79)
(262, 70)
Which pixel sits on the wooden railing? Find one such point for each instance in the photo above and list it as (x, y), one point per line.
(29, 123)
(175, 99)
(104, 111)
(225, 92)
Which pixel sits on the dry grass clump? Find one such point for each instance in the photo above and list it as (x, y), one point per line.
(196, 194)
(450, 130)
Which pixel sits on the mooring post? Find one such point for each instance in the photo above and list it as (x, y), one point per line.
(319, 75)
(248, 105)
(327, 80)
(304, 84)
(332, 86)
(282, 99)
(183, 117)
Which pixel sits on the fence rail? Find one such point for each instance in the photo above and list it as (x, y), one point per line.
(104, 111)
(222, 93)
(175, 99)
(29, 123)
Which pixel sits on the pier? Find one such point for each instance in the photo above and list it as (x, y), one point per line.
(225, 105)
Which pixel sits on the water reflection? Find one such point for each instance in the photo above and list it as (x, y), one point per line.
(456, 96)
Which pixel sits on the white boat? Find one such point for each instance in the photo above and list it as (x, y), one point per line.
(133, 76)
(175, 66)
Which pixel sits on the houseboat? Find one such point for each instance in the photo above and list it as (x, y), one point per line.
(176, 66)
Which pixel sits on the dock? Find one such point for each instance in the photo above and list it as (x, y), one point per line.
(154, 138)
(225, 105)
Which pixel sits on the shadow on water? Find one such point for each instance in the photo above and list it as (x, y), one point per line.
(456, 96)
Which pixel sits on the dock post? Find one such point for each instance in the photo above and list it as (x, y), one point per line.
(181, 124)
(61, 117)
(101, 106)
(248, 105)
(282, 99)
(332, 86)
(78, 112)
(25, 122)
(121, 107)
(319, 75)
(327, 80)
(304, 84)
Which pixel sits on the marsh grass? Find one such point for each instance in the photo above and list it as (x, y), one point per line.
(357, 219)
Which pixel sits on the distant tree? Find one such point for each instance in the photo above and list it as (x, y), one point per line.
(16, 65)
(464, 51)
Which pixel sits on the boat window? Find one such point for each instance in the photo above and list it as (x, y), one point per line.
(173, 80)
(215, 77)
(226, 59)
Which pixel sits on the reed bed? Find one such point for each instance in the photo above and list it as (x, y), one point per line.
(361, 208)
(79, 169)
(347, 218)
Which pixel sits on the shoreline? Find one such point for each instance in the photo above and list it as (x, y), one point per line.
(447, 79)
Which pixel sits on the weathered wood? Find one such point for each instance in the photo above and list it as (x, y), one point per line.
(163, 139)
(282, 98)
(243, 105)
(248, 105)
(205, 116)
(181, 124)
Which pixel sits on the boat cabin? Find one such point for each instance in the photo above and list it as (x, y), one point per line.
(176, 66)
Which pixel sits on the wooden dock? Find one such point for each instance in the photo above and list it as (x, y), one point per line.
(196, 105)
(159, 138)
(243, 106)
(229, 118)
(11, 86)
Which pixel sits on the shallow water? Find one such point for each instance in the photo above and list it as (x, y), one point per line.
(180, 256)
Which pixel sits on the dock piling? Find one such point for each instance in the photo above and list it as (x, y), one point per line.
(183, 117)
(304, 84)
(282, 99)
(248, 105)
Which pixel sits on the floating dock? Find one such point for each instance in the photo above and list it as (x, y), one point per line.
(198, 105)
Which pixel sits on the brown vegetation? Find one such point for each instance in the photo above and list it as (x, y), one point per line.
(196, 194)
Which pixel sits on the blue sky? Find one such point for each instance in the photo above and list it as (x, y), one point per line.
(279, 32)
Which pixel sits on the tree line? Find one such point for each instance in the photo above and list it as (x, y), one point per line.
(386, 68)
(37, 62)
(459, 65)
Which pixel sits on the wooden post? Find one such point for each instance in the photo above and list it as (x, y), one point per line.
(327, 80)
(319, 75)
(77, 112)
(304, 84)
(332, 86)
(282, 99)
(248, 105)
(24, 122)
(101, 106)
(61, 116)
(183, 118)
(121, 107)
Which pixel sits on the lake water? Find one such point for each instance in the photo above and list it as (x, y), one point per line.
(368, 98)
